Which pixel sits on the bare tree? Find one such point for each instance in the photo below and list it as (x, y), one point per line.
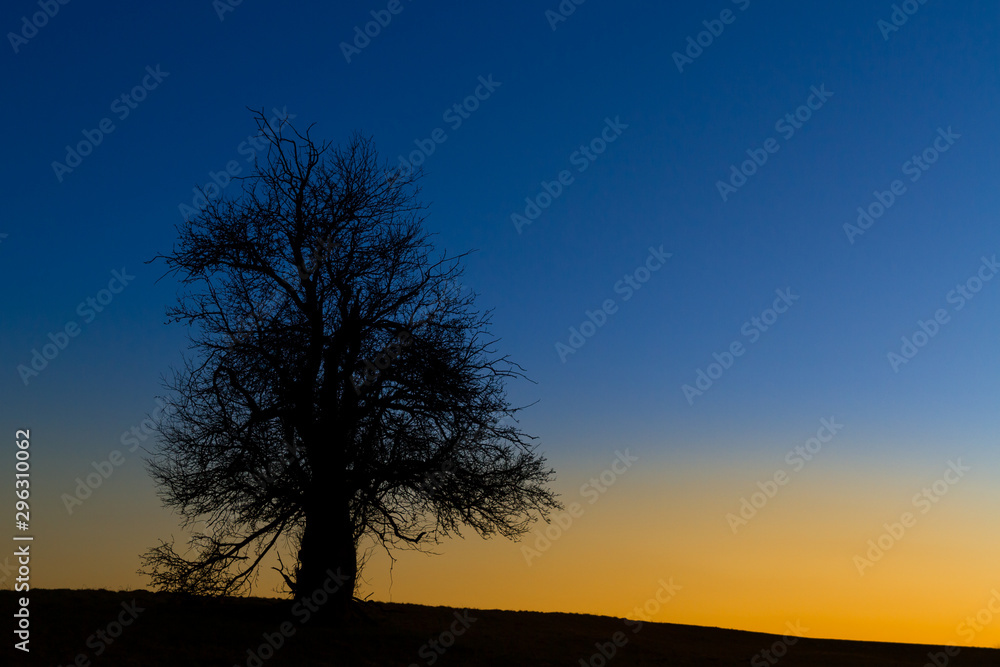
(336, 371)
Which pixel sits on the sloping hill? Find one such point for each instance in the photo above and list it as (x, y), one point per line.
(143, 629)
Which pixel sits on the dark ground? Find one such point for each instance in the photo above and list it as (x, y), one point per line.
(169, 630)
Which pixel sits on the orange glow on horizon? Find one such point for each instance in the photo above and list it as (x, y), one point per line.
(792, 562)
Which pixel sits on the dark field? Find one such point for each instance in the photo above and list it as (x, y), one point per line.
(169, 630)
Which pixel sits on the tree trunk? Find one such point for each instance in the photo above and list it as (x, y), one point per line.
(328, 565)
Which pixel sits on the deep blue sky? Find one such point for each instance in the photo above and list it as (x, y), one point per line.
(655, 185)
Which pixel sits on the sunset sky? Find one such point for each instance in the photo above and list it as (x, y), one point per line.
(669, 233)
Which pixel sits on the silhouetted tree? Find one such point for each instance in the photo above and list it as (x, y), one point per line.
(341, 386)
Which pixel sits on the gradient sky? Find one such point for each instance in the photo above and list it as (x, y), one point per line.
(894, 93)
